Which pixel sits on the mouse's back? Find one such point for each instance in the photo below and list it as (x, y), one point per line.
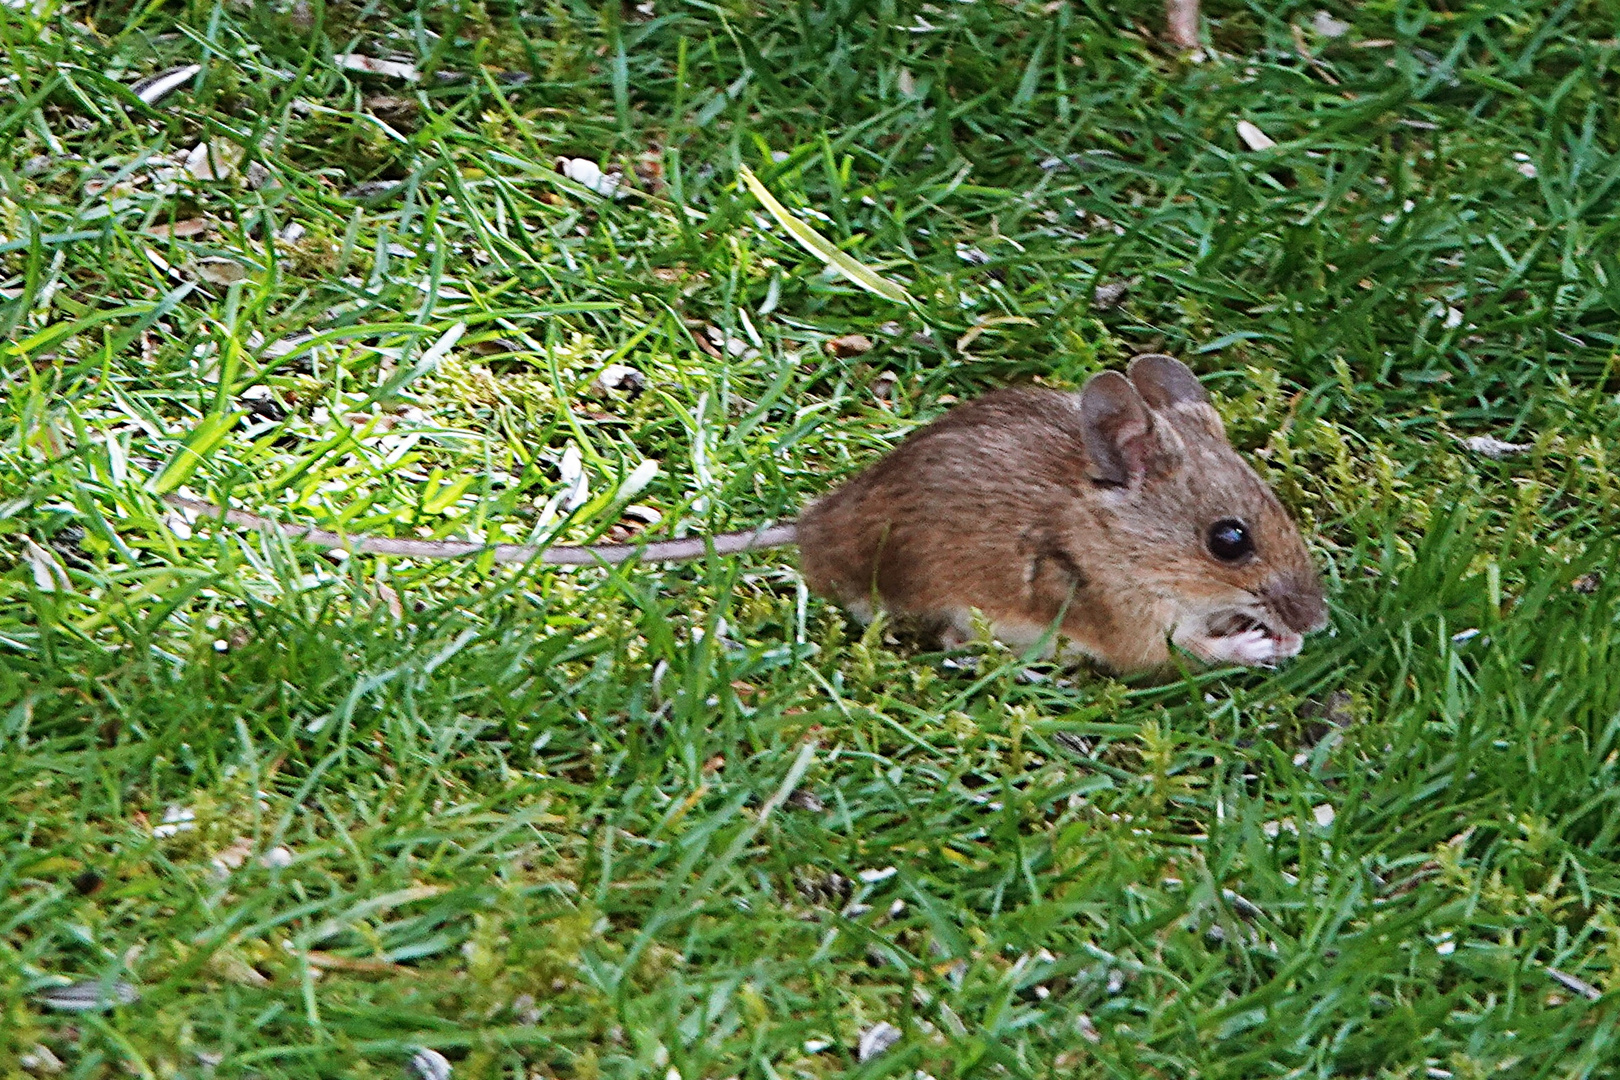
(941, 514)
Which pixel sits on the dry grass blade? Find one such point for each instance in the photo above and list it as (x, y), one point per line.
(822, 248)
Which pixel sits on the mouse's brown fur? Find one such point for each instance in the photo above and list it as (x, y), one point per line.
(1030, 505)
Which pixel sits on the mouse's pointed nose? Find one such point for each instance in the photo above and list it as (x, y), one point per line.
(1298, 601)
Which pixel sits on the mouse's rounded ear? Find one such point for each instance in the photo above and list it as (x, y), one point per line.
(1118, 429)
(1170, 387)
(1165, 382)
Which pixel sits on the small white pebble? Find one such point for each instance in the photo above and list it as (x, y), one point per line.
(872, 877)
(277, 858)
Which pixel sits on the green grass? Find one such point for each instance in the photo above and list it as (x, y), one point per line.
(641, 823)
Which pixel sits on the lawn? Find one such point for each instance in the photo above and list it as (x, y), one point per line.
(266, 812)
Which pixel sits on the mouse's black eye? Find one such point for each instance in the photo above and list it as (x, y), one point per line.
(1229, 540)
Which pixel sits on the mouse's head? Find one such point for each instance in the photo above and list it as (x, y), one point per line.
(1192, 522)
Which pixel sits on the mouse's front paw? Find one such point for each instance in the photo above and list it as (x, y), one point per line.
(1256, 645)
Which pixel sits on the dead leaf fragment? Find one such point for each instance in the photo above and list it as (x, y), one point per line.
(215, 160)
(1450, 317)
(806, 800)
(1108, 296)
(391, 108)
(983, 325)
(154, 88)
(1492, 447)
(182, 229)
(49, 573)
(589, 174)
(1574, 985)
(390, 599)
(576, 485)
(390, 69)
(729, 343)
(1329, 27)
(430, 1065)
(228, 965)
(233, 857)
(217, 271)
(850, 345)
(1253, 137)
(88, 995)
(633, 520)
(38, 1059)
(333, 962)
(618, 378)
(876, 1040)
(176, 819)
(374, 189)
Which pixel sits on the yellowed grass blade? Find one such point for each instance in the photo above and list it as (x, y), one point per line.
(821, 247)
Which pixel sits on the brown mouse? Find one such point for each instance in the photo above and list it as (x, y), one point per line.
(1120, 517)
(1121, 513)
